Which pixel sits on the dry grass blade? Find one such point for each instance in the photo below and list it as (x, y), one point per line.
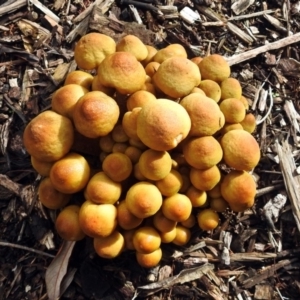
(292, 182)
(57, 270)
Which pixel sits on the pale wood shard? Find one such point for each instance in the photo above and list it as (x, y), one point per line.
(45, 10)
(262, 100)
(58, 4)
(263, 292)
(87, 11)
(211, 289)
(292, 182)
(53, 23)
(87, 17)
(239, 33)
(10, 185)
(34, 31)
(252, 15)
(11, 7)
(213, 24)
(211, 14)
(266, 273)
(238, 58)
(277, 24)
(241, 5)
(60, 73)
(80, 29)
(292, 114)
(186, 275)
(135, 14)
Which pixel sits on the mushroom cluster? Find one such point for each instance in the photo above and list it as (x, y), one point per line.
(159, 125)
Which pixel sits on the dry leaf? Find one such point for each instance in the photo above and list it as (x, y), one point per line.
(57, 270)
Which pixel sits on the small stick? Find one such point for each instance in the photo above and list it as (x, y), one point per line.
(6, 244)
(268, 189)
(235, 59)
(256, 14)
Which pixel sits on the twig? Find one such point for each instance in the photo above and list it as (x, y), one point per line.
(248, 16)
(268, 189)
(6, 244)
(233, 60)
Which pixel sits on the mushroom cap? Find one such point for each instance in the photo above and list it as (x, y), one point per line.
(51, 197)
(238, 188)
(208, 219)
(206, 179)
(151, 52)
(126, 219)
(97, 220)
(132, 44)
(92, 48)
(143, 199)
(233, 109)
(49, 136)
(214, 67)
(155, 165)
(122, 71)
(177, 207)
(80, 77)
(230, 88)
(173, 50)
(95, 114)
(204, 113)
(162, 124)
(146, 239)
(65, 98)
(102, 190)
(240, 150)
(149, 260)
(67, 224)
(110, 246)
(177, 76)
(70, 174)
(211, 89)
(202, 152)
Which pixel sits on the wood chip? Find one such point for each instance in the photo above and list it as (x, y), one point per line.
(292, 182)
(241, 5)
